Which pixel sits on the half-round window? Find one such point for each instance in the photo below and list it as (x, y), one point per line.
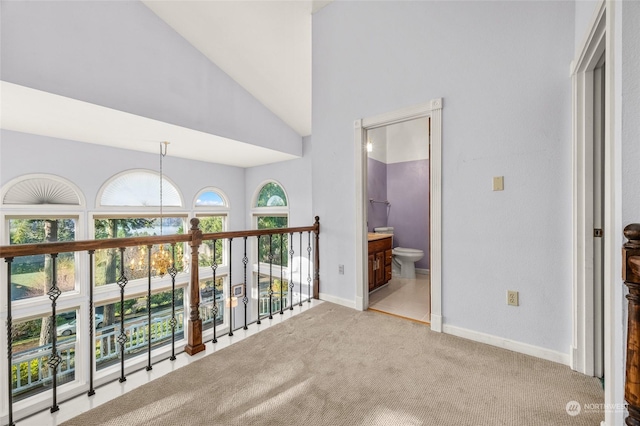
(271, 195)
(41, 190)
(140, 188)
(211, 198)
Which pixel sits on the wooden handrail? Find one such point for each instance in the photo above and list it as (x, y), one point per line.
(631, 277)
(194, 238)
(85, 245)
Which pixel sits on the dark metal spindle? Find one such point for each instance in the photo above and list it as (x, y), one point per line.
(214, 307)
(291, 283)
(55, 359)
(9, 260)
(230, 304)
(149, 367)
(92, 356)
(281, 274)
(259, 260)
(245, 299)
(173, 322)
(270, 276)
(309, 267)
(122, 338)
(300, 271)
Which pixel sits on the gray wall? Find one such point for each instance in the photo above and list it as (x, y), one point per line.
(507, 111)
(120, 55)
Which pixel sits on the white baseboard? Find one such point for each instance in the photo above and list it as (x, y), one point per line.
(422, 271)
(436, 323)
(338, 300)
(511, 345)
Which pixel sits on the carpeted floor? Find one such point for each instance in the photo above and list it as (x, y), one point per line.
(336, 366)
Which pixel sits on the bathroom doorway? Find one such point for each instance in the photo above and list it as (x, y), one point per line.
(433, 110)
(398, 214)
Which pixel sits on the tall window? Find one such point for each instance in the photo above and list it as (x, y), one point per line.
(271, 211)
(53, 216)
(134, 198)
(212, 208)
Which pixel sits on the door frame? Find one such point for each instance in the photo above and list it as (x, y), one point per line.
(600, 40)
(433, 110)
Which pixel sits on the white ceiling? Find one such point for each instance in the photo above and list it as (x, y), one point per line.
(264, 45)
(33, 111)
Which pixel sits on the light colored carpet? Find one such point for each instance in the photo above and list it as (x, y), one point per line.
(336, 366)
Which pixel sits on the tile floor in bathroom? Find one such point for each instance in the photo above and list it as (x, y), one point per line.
(404, 297)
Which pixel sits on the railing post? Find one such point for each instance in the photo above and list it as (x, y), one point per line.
(631, 277)
(316, 260)
(194, 328)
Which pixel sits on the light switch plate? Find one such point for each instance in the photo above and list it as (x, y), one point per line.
(498, 183)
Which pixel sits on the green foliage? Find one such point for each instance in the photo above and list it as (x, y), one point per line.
(271, 195)
(29, 231)
(271, 244)
(210, 224)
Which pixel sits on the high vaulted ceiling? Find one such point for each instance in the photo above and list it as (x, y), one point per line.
(264, 45)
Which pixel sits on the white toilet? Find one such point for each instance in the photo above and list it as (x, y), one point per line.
(404, 259)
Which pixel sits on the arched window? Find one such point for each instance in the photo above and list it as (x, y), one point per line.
(41, 189)
(212, 208)
(271, 195)
(270, 210)
(53, 206)
(139, 188)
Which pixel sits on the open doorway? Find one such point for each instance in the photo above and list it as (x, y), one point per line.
(398, 219)
(433, 112)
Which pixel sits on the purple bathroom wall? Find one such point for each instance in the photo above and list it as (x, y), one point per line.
(377, 190)
(408, 193)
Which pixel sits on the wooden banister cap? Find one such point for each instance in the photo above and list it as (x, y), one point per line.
(632, 233)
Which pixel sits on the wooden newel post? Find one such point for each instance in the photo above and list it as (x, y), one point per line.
(316, 260)
(194, 327)
(631, 277)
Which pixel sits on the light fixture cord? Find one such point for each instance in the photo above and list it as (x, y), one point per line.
(162, 154)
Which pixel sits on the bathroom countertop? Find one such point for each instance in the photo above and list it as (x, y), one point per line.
(375, 237)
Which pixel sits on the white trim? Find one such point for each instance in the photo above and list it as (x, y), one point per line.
(583, 291)
(256, 193)
(422, 271)
(338, 300)
(431, 109)
(603, 35)
(512, 345)
(110, 180)
(7, 186)
(225, 208)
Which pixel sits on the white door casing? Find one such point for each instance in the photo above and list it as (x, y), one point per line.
(431, 109)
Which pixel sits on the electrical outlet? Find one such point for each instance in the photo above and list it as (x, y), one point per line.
(341, 269)
(512, 298)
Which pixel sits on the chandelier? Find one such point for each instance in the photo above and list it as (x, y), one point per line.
(161, 260)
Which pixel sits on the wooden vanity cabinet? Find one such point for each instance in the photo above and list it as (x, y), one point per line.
(380, 257)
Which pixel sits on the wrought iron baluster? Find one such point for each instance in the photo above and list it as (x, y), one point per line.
(259, 260)
(92, 356)
(291, 283)
(149, 247)
(9, 260)
(270, 276)
(214, 308)
(245, 299)
(300, 271)
(122, 338)
(281, 274)
(54, 360)
(309, 267)
(173, 322)
(230, 304)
